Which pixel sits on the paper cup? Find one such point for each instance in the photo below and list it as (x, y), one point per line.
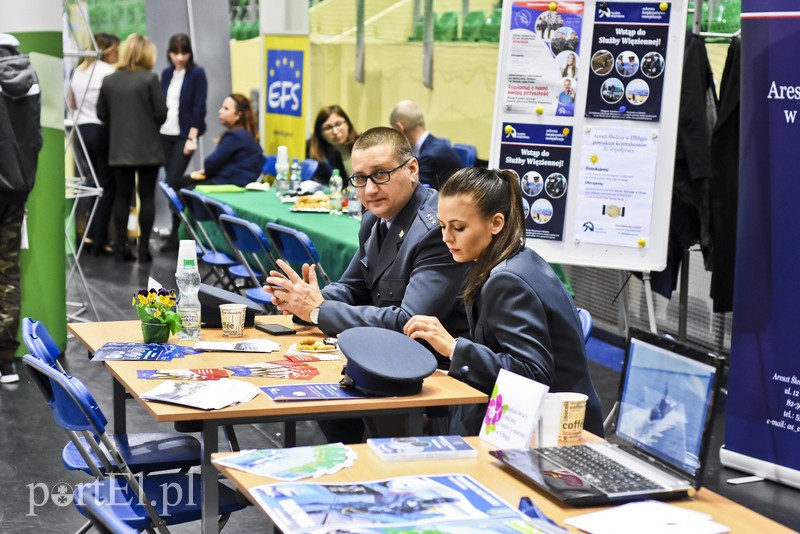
(573, 411)
(232, 318)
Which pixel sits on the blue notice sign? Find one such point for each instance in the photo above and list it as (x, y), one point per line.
(285, 82)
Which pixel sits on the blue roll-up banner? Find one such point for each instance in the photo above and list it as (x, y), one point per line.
(763, 413)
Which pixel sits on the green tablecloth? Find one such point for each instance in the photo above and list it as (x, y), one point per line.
(334, 236)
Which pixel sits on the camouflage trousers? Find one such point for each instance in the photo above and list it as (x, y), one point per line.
(10, 238)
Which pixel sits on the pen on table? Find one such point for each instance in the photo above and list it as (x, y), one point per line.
(527, 507)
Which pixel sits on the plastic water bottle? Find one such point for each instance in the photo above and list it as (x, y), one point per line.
(336, 192)
(353, 204)
(281, 179)
(188, 280)
(295, 176)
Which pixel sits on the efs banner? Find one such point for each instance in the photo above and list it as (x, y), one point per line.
(285, 97)
(763, 411)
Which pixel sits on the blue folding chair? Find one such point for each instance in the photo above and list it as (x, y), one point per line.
(586, 323)
(254, 253)
(238, 271)
(466, 153)
(295, 247)
(307, 169)
(142, 452)
(177, 207)
(136, 498)
(269, 165)
(103, 518)
(219, 262)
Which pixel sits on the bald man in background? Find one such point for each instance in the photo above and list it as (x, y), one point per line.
(437, 159)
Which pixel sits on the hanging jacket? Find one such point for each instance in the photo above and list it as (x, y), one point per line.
(20, 126)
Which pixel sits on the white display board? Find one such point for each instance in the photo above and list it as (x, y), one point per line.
(586, 112)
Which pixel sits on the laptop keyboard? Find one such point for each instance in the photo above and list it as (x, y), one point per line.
(599, 470)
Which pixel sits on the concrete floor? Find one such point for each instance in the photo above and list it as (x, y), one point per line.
(31, 443)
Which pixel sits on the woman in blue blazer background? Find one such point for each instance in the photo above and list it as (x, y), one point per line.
(521, 318)
(186, 89)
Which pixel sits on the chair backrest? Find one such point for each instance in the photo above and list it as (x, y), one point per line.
(177, 207)
(197, 207)
(269, 165)
(294, 246)
(74, 407)
(466, 153)
(307, 169)
(446, 27)
(472, 24)
(175, 203)
(586, 323)
(40, 343)
(250, 245)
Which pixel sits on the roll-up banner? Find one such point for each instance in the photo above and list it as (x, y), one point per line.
(763, 412)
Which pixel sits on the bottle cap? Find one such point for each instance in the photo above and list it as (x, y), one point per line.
(186, 251)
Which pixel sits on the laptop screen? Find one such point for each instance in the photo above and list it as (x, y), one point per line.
(665, 401)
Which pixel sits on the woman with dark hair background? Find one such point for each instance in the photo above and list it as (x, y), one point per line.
(522, 318)
(238, 157)
(331, 143)
(186, 88)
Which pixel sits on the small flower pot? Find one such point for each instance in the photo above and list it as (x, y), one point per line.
(155, 332)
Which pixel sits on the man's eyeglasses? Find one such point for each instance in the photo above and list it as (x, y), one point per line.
(379, 177)
(330, 127)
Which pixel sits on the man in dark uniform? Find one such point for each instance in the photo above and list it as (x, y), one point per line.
(402, 267)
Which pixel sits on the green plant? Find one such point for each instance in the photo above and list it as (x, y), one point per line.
(157, 307)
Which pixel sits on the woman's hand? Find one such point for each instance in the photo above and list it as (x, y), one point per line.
(189, 146)
(432, 331)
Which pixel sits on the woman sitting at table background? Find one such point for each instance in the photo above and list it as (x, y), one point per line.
(238, 157)
(331, 143)
(521, 317)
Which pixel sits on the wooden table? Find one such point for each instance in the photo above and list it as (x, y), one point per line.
(507, 485)
(438, 390)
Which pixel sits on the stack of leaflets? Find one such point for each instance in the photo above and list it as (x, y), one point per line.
(312, 392)
(182, 374)
(203, 395)
(141, 351)
(249, 345)
(277, 369)
(410, 504)
(293, 463)
(421, 448)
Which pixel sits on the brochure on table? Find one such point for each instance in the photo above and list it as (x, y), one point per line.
(513, 411)
(421, 448)
(569, 71)
(213, 395)
(406, 503)
(294, 463)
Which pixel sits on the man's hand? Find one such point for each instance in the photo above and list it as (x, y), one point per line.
(292, 294)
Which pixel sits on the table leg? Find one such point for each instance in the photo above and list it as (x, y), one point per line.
(209, 445)
(289, 434)
(414, 422)
(118, 396)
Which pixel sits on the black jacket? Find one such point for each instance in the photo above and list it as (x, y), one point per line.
(20, 127)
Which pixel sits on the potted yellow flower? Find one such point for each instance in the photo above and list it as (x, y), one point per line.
(155, 309)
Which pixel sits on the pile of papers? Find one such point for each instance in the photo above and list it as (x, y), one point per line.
(250, 345)
(213, 395)
(118, 351)
(293, 463)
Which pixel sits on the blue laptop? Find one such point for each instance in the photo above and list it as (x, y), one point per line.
(659, 442)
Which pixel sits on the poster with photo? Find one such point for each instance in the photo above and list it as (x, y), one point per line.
(542, 58)
(614, 204)
(629, 54)
(540, 154)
